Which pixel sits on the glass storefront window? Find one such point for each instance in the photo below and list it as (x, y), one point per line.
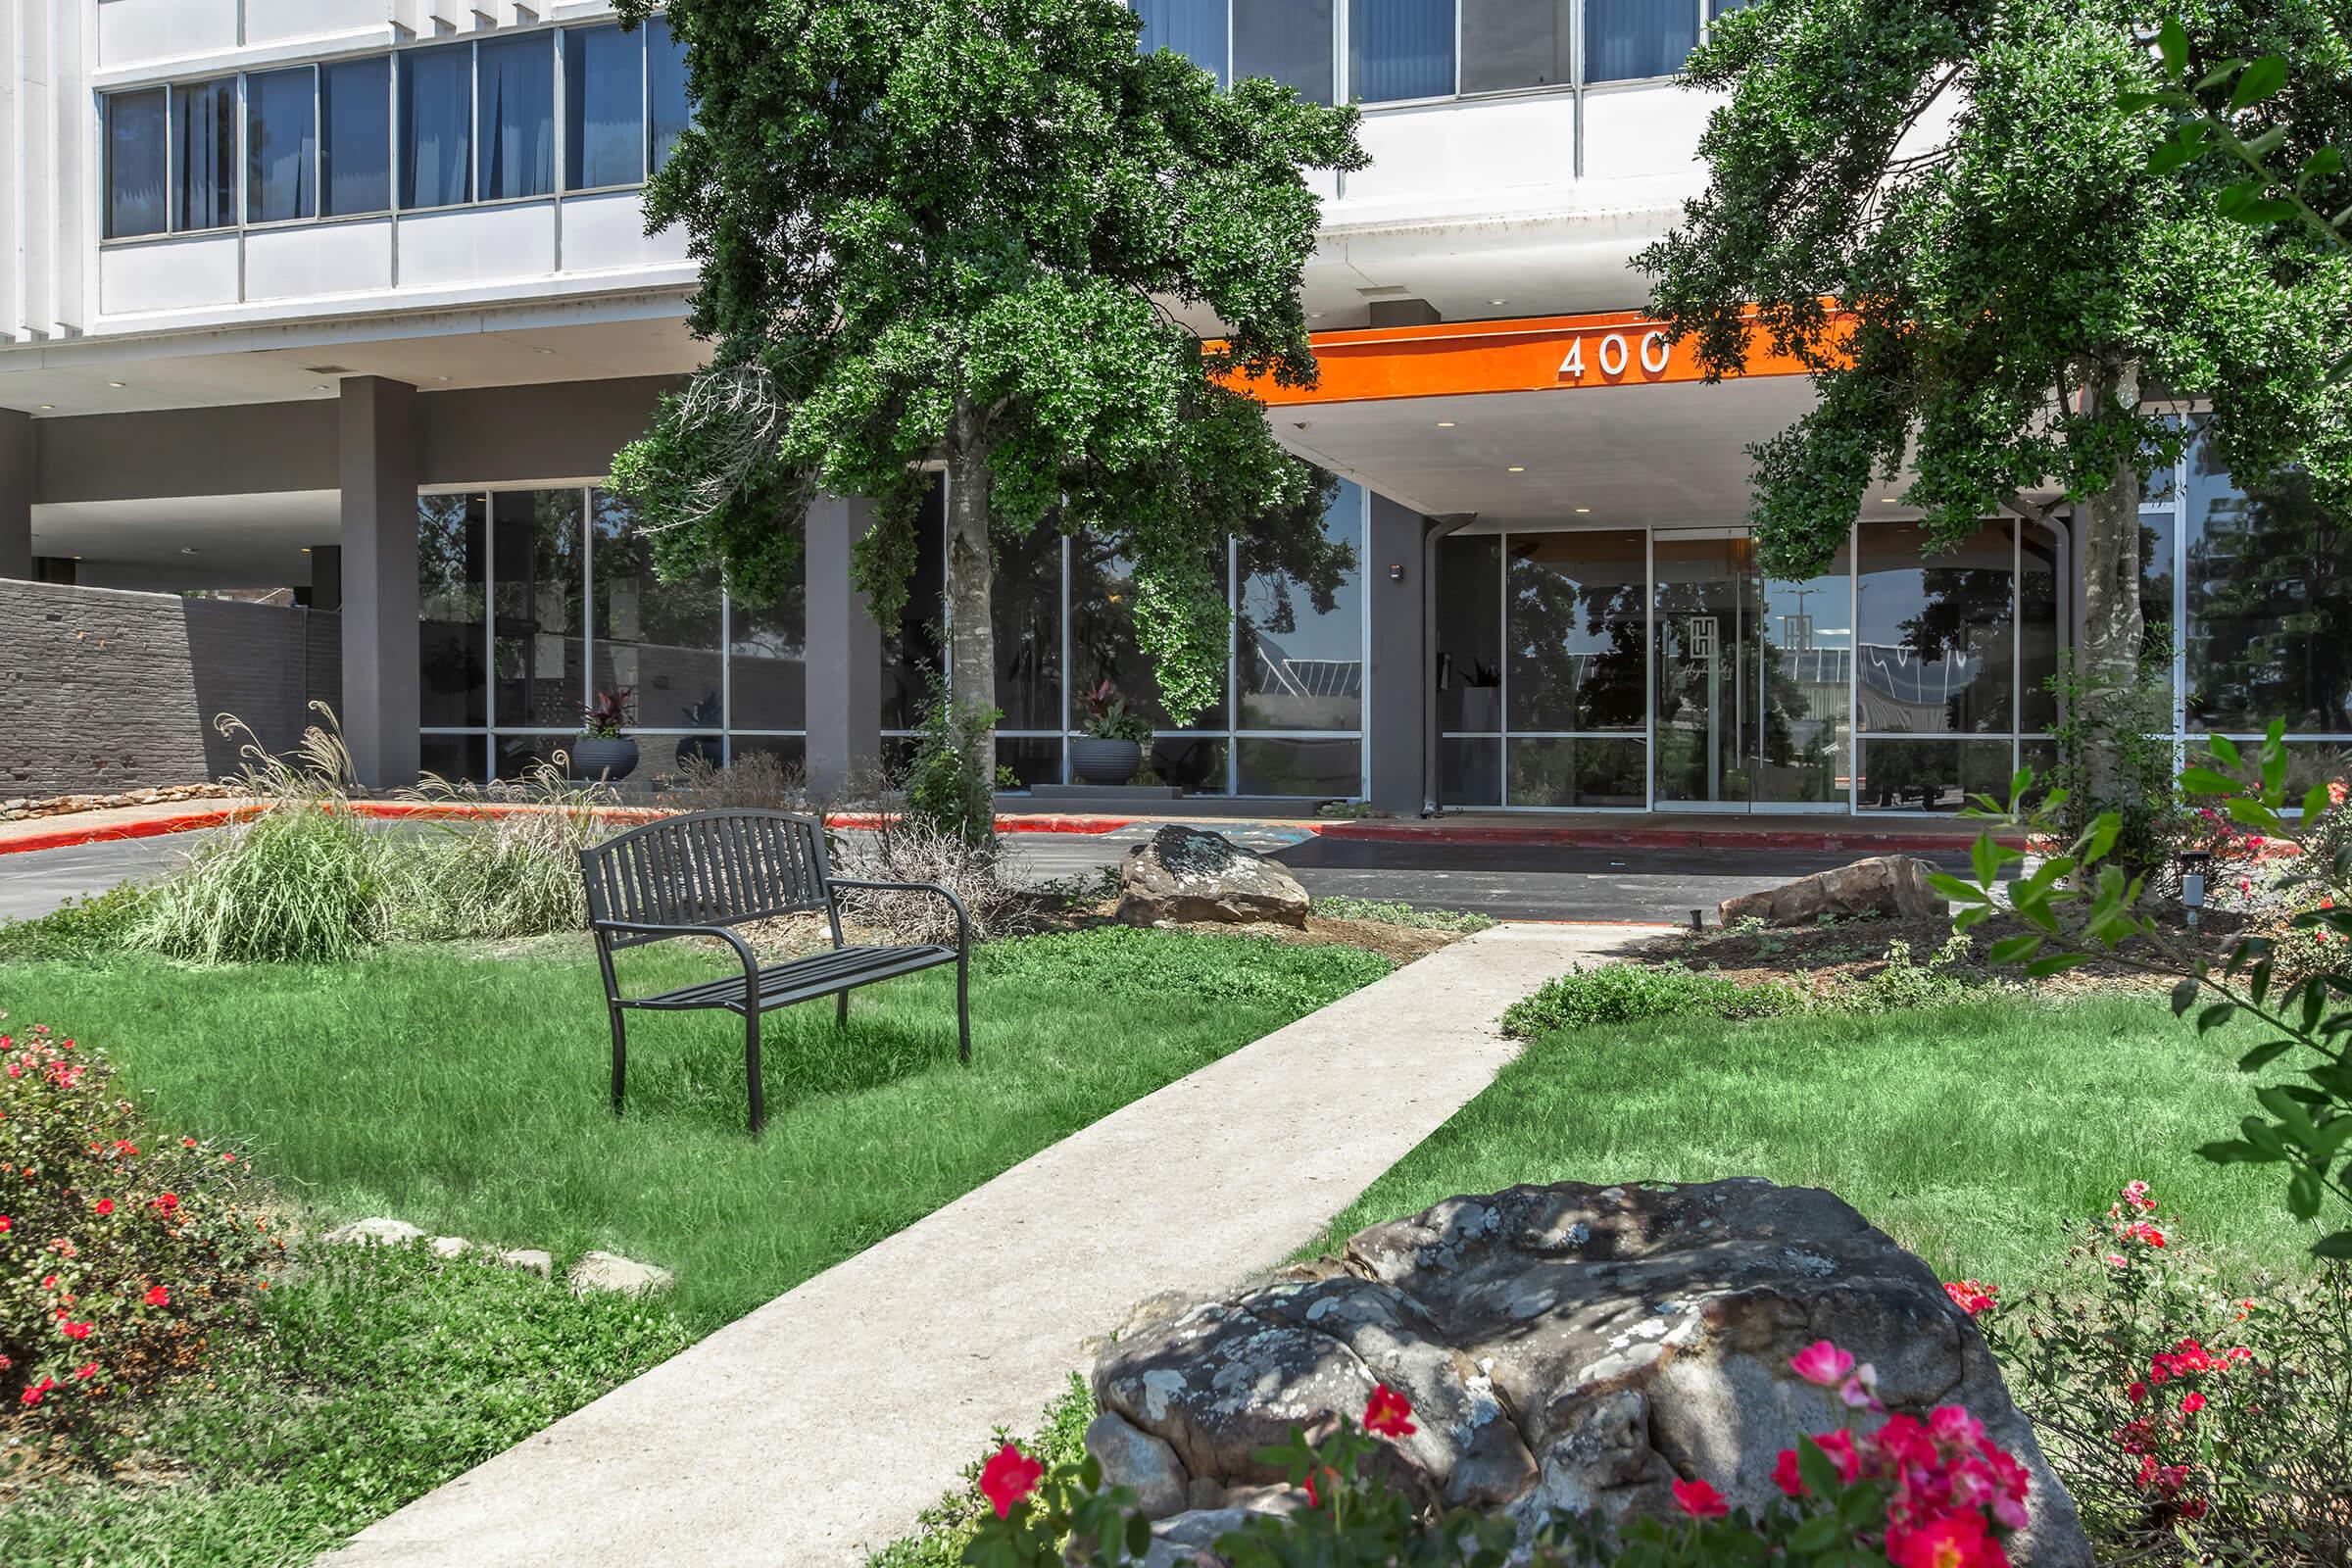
(452, 691)
(1578, 772)
(538, 676)
(767, 653)
(1937, 637)
(1102, 644)
(1470, 771)
(1469, 634)
(1026, 609)
(1300, 662)
(912, 658)
(1578, 622)
(658, 639)
(2270, 607)
(2038, 627)
(1930, 773)
(1269, 765)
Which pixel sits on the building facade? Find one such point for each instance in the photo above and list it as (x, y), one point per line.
(352, 298)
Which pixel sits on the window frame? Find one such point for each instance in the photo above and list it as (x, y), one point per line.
(106, 166)
(645, 109)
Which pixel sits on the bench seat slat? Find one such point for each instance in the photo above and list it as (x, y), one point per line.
(801, 979)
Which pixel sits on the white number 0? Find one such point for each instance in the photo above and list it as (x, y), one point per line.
(1655, 353)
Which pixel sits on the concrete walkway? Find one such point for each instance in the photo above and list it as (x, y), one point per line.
(813, 1430)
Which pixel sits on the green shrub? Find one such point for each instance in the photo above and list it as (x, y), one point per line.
(1627, 993)
(123, 1252)
(946, 1528)
(1339, 907)
(81, 928)
(509, 867)
(1136, 965)
(950, 784)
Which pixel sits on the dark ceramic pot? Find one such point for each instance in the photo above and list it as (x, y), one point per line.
(1101, 762)
(609, 759)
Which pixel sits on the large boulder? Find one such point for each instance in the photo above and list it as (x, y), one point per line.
(1184, 874)
(1893, 885)
(1569, 1348)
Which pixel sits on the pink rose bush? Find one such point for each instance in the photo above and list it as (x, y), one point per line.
(119, 1252)
(1870, 1488)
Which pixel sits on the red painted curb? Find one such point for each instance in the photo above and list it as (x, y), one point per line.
(1651, 837)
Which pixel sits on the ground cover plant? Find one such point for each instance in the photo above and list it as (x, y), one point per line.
(1389, 911)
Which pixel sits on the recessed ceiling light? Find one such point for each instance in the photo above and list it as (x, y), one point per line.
(1581, 510)
(46, 407)
(188, 549)
(305, 550)
(322, 387)
(1445, 425)
(1888, 500)
(118, 384)
(1517, 469)
(543, 351)
(1498, 302)
(1314, 316)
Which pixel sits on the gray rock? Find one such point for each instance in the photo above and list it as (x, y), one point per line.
(530, 1259)
(1185, 873)
(1184, 1542)
(373, 1233)
(1893, 885)
(609, 1271)
(450, 1246)
(1574, 1348)
(1132, 1458)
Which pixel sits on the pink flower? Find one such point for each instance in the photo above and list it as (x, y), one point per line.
(1954, 1427)
(1786, 1475)
(1821, 1364)
(1008, 1476)
(1699, 1501)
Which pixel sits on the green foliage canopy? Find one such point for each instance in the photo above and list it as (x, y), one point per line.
(988, 223)
(1963, 178)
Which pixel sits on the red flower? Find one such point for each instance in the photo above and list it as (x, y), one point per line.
(1388, 1415)
(85, 1372)
(2191, 1404)
(75, 1331)
(1699, 1501)
(1972, 1298)
(1008, 1476)
(1821, 1364)
(1786, 1475)
(167, 1202)
(106, 1205)
(32, 1396)
(2136, 1392)
(1957, 1540)
(157, 1295)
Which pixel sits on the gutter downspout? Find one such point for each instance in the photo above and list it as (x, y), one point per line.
(1453, 523)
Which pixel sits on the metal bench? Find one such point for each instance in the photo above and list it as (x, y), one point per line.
(703, 874)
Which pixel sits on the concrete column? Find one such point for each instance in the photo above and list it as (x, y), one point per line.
(16, 493)
(377, 457)
(1398, 661)
(845, 653)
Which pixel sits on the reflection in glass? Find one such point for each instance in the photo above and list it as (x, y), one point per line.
(1194, 28)
(1470, 635)
(515, 99)
(204, 128)
(791, 751)
(2270, 607)
(455, 758)
(1517, 43)
(280, 140)
(514, 757)
(603, 108)
(1268, 765)
(914, 656)
(1194, 763)
(1628, 40)
(134, 164)
(538, 681)
(667, 98)
(1399, 49)
(355, 150)
(1577, 623)
(1937, 635)
(658, 639)
(451, 689)
(436, 126)
(1026, 609)
(1301, 660)
(768, 647)
(1470, 771)
(1103, 642)
(1289, 40)
(2037, 626)
(1578, 772)
(1936, 774)
(1034, 759)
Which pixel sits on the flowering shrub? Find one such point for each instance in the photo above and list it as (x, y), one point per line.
(1871, 1488)
(120, 1251)
(2192, 1423)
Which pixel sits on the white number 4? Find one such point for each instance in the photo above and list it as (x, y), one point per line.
(1574, 364)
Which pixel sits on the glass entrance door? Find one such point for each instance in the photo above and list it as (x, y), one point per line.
(1750, 679)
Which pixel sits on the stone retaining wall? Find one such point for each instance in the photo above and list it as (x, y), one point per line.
(103, 690)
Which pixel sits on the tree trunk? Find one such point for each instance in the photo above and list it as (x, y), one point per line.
(971, 623)
(2107, 663)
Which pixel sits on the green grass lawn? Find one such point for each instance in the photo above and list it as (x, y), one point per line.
(465, 1090)
(1976, 1134)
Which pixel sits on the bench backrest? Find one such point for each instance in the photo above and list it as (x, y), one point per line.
(707, 868)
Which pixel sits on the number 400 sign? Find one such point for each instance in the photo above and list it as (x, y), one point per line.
(1612, 354)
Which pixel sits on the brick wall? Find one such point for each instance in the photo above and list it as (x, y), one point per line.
(103, 690)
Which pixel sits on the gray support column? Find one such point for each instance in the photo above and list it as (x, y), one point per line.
(845, 654)
(16, 493)
(1398, 659)
(377, 457)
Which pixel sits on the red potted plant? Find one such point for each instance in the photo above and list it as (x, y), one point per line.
(601, 750)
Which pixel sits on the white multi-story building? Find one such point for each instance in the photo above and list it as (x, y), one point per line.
(353, 299)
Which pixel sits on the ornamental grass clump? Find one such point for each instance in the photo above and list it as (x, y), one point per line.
(506, 863)
(2192, 1421)
(298, 880)
(123, 1252)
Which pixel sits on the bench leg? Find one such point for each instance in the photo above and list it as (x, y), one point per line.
(750, 1066)
(620, 1058)
(840, 1010)
(964, 1008)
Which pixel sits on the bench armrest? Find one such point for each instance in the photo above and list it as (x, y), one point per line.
(963, 920)
(742, 948)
